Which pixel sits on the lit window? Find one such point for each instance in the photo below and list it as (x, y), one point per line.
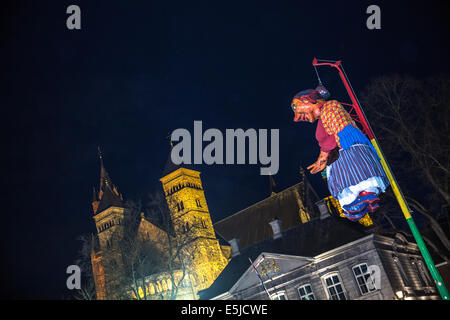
(365, 281)
(141, 292)
(334, 287)
(160, 288)
(306, 292)
(152, 288)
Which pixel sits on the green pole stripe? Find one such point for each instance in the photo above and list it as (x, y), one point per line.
(428, 260)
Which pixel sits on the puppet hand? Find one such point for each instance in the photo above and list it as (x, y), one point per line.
(316, 167)
(319, 165)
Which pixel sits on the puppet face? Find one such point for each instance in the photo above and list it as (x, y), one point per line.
(303, 110)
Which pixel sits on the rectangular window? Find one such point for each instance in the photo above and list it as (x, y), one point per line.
(401, 270)
(306, 292)
(334, 287)
(365, 281)
(421, 272)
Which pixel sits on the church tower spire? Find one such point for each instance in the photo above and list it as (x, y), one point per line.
(108, 195)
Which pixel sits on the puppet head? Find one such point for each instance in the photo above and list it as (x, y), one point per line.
(305, 105)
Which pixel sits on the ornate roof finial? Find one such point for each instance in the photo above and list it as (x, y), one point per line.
(104, 178)
(100, 155)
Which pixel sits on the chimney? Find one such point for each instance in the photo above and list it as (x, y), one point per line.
(234, 243)
(276, 228)
(323, 208)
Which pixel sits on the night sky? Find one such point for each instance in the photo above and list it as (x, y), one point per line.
(137, 70)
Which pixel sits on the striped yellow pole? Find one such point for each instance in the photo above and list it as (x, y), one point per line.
(417, 236)
(398, 194)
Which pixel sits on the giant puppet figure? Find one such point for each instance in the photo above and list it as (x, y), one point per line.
(354, 173)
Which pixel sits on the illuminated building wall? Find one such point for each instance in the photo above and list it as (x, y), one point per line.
(189, 213)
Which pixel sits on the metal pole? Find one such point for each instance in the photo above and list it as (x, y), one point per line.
(259, 276)
(398, 194)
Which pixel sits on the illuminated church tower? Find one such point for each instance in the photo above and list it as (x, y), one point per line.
(185, 197)
(108, 208)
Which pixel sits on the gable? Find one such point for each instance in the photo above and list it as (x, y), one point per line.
(269, 266)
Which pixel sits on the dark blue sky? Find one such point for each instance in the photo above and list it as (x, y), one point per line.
(137, 70)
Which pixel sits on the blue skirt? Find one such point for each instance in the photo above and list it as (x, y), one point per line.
(357, 169)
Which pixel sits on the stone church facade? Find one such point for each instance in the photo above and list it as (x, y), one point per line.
(187, 204)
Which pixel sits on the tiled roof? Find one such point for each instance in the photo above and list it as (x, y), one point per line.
(308, 240)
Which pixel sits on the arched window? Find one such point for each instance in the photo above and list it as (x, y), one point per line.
(182, 205)
(151, 288)
(141, 292)
(280, 295)
(159, 286)
(305, 292)
(164, 285)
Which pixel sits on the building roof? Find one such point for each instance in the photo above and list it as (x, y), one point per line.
(251, 224)
(307, 240)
